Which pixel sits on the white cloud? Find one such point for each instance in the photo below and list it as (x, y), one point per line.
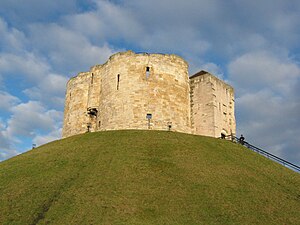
(7, 153)
(32, 73)
(30, 118)
(213, 69)
(53, 83)
(49, 90)
(118, 21)
(256, 70)
(7, 101)
(228, 27)
(270, 122)
(36, 10)
(89, 24)
(4, 142)
(130, 24)
(51, 136)
(164, 14)
(11, 38)
(66, 49)
(185, 43)
(25, 65)
(267, 103)
(6, 146)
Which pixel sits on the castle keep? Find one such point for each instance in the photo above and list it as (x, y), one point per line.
(148, 91)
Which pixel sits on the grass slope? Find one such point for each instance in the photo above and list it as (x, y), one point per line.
(146, 177)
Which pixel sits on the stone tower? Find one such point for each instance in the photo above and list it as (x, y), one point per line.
(148, 91)
(212, 106)
(130, 91)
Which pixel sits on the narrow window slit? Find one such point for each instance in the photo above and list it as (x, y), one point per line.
(92, 79)
(118, 81)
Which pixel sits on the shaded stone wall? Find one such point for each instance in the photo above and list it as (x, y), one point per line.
(76, 100)
(212, 106)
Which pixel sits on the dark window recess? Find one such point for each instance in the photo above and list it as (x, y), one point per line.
(169, 125)
(92, 79)
(118, 81)
(149, 117)
(92, 111)
(147, 72)
(99, 124)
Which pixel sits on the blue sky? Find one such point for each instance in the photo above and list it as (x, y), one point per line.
(254, 45)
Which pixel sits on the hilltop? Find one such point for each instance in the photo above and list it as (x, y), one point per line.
(146, 177)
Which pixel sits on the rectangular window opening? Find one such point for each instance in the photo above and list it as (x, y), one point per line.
(149, 116)
(147, 72)
(92, 79)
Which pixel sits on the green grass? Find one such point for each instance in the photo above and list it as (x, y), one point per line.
(146, 177)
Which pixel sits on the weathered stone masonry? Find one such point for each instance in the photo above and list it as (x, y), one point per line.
(148, 91)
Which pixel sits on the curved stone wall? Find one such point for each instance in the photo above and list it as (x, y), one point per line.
(122, 92)
(75, 103)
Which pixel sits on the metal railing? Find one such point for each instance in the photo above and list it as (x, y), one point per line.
(263, 152)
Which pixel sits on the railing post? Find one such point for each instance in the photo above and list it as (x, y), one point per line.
(266, 154)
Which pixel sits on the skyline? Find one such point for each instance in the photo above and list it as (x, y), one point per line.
(252, 45)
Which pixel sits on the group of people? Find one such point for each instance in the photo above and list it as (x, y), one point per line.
(241, 140)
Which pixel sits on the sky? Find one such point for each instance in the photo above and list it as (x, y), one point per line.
(253, 45)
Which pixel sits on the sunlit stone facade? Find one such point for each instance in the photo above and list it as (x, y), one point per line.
(148, 91)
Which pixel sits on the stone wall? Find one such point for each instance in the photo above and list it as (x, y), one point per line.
(212, 106)
(148, 91)
(75, 101)
(127, 88)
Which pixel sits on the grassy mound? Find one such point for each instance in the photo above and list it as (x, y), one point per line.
(146, 177)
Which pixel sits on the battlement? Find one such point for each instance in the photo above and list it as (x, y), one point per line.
(134, 91)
